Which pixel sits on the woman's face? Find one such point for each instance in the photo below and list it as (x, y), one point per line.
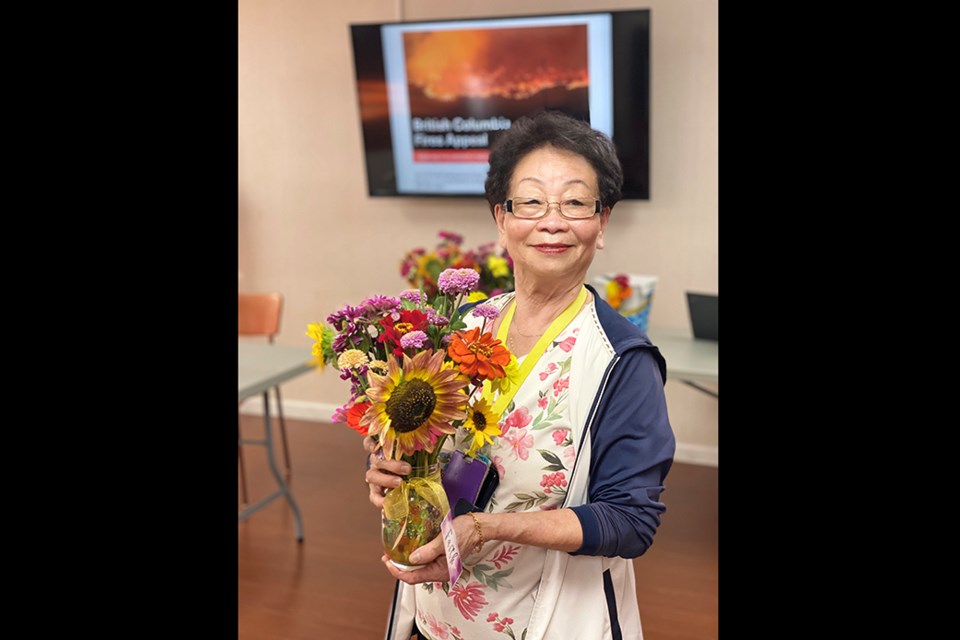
(552, 249)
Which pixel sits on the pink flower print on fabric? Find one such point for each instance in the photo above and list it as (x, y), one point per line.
(569, 456)
(436, 628)
(520, 443)
(469, 599)
(550, 480)
(560, 385)
(498, 464)
(518, 419)
(546, 372)
(542, 403)
(567, 344)
(559, 435)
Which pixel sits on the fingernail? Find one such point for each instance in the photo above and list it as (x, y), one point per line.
(404, 468)
(415, 557)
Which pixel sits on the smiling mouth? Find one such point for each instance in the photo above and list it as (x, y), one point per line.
(551, 248)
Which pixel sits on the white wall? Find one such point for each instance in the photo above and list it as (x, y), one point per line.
(308, 229)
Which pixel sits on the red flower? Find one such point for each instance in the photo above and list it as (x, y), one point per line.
(393, 330)
(353, 417)
(469, 599)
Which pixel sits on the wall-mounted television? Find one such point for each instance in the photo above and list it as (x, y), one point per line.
(434, 95)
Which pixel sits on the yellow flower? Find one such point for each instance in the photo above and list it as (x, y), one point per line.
(352, 359)
(498, 266)
(510, 378)
(414, 403)
(476, 296)
(481, 425)
(323, 337)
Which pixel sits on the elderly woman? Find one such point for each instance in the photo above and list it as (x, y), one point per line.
(585, 443)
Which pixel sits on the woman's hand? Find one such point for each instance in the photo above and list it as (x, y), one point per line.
(433, 555)
(383, 474)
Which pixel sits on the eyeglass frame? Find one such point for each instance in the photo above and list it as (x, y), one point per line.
(508, 207)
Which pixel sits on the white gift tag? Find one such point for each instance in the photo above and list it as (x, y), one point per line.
(454, 565)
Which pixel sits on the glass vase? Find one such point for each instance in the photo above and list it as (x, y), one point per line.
(412, 514)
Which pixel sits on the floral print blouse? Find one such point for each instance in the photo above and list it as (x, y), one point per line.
(535, 454)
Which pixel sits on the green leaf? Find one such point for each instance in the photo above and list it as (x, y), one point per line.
(543, 425)
(551, 457)
(526, 501)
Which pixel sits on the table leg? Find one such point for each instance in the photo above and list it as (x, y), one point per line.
(283, 490)
(243, 472)
(273, 466)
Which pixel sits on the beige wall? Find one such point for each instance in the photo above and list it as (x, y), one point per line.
(308, 229)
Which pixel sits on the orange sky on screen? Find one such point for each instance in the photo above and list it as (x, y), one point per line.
(511, 63)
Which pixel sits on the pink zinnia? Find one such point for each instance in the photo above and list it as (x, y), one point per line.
(413, 295)
(414, 339)
(487, 311)
(458, 280)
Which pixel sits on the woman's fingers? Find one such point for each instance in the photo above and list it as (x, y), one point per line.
(382, 474)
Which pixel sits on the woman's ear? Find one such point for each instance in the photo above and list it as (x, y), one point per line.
(499, 214)
(604, 218)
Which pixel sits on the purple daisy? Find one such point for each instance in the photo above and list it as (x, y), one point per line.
(348, 313)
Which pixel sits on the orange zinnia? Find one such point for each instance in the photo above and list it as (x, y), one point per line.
(478, 355)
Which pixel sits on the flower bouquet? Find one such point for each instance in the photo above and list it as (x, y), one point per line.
(630, 294)
(417, 377)
(422, 268)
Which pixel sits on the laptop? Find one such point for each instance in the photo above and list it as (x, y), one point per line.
(703, 315)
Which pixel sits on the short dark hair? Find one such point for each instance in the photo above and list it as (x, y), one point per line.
(554, 129)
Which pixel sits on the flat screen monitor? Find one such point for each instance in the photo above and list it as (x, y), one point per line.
(433, 96)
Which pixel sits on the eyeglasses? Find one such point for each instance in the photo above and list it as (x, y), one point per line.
(531, 208)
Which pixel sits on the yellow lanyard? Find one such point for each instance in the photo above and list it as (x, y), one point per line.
(558, 325)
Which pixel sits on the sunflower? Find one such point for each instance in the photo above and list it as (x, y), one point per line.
(481, 425)
(414, 404)
(478, 355)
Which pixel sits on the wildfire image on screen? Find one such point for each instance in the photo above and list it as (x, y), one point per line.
(467, 85)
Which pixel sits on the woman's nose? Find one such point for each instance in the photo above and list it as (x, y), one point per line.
(552, 219)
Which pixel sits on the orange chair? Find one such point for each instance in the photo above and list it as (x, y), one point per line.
(259, 315)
